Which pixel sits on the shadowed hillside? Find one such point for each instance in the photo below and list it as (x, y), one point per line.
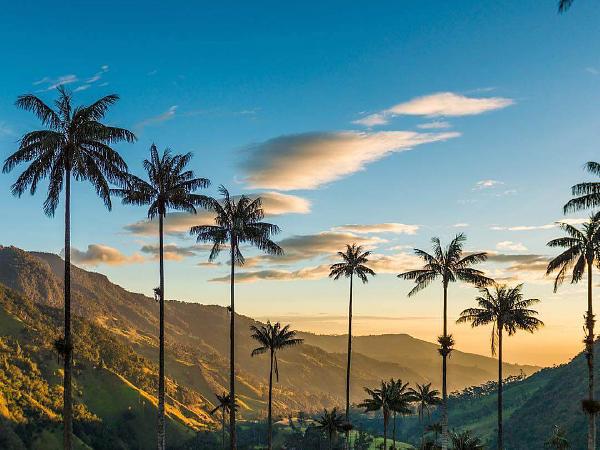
(197, 344)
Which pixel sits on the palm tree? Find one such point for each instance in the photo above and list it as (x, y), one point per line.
(354, 262)
(400, 403)
(450, 265)
(169, 186)
(558, 439)
(271, 339)
(564, 5)
(587, 194)
(379, 399)
(435, 428)
(466, 441)
(330, 422)
(225, 405)
(237, 222)
(582, 252)
(425, 398)
(74, 143)
(507, 310)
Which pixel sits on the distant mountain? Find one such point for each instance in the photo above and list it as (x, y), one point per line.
(312, 375)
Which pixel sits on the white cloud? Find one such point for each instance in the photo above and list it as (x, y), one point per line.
(309, 160)
(163, 117)
(83, 87)
(398, 228)
(547, 226)
(53, 83)
(460, 225)
(435, 125)
(511, 246)
(179, 223)
(440, 104)
(486, 184)
(103, 254)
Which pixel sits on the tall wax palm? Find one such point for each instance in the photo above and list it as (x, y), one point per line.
(237, 222)
(330, 422)
(425, 398)
(400, 403)
(564, 5)
(587, 194)
(74, 143)
(582, 249)
(354, 261)
(224, 405)
(272, 338)
(170, 186)
(450, 265)
(380, 399)
(506, 309)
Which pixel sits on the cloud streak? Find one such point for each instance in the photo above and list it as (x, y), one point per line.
(390, 227)
(97, 254)
(442, 104)
(310, 160)
(179, 223)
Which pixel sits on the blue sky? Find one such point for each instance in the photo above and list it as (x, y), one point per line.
(254, 87)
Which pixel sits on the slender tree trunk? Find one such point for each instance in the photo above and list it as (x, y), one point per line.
(589, 344)
(161, 345)
(385, 420)
(444, 375)
(232, 430)
(348, 364)
(270, 411)
(330, 440)
(223, 429)
(500, 434)
(394, 433)
(68, 341)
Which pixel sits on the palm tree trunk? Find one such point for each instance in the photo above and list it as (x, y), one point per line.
(223, 428)
(161, 345)
(394, 432)
(589, 344)
(68, 341)
(348, 364)
(385, 420)
(500, 435)
(444, 374)
(269, 418)
(232, 431)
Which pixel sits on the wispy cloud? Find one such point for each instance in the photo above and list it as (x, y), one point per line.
(390, 227)
(154, 120)
(173, 251)
(51, 83)
(511, 246)
(486, 184)
(435, 125)
(309, 160)
(179, 223)
(461, 225)
(547, 226)
(97, 254)
(441, 104)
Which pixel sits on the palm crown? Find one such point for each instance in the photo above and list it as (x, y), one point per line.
(425, 397)
(169, 185)
(587, 193)
(582, 248)
(74, 142)
(447, 263)
(237, 222)
(379, 399)
(354, 260)
(273, 338)
(400, 397)
(506, 309)
(330, 421)
(224, 403)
